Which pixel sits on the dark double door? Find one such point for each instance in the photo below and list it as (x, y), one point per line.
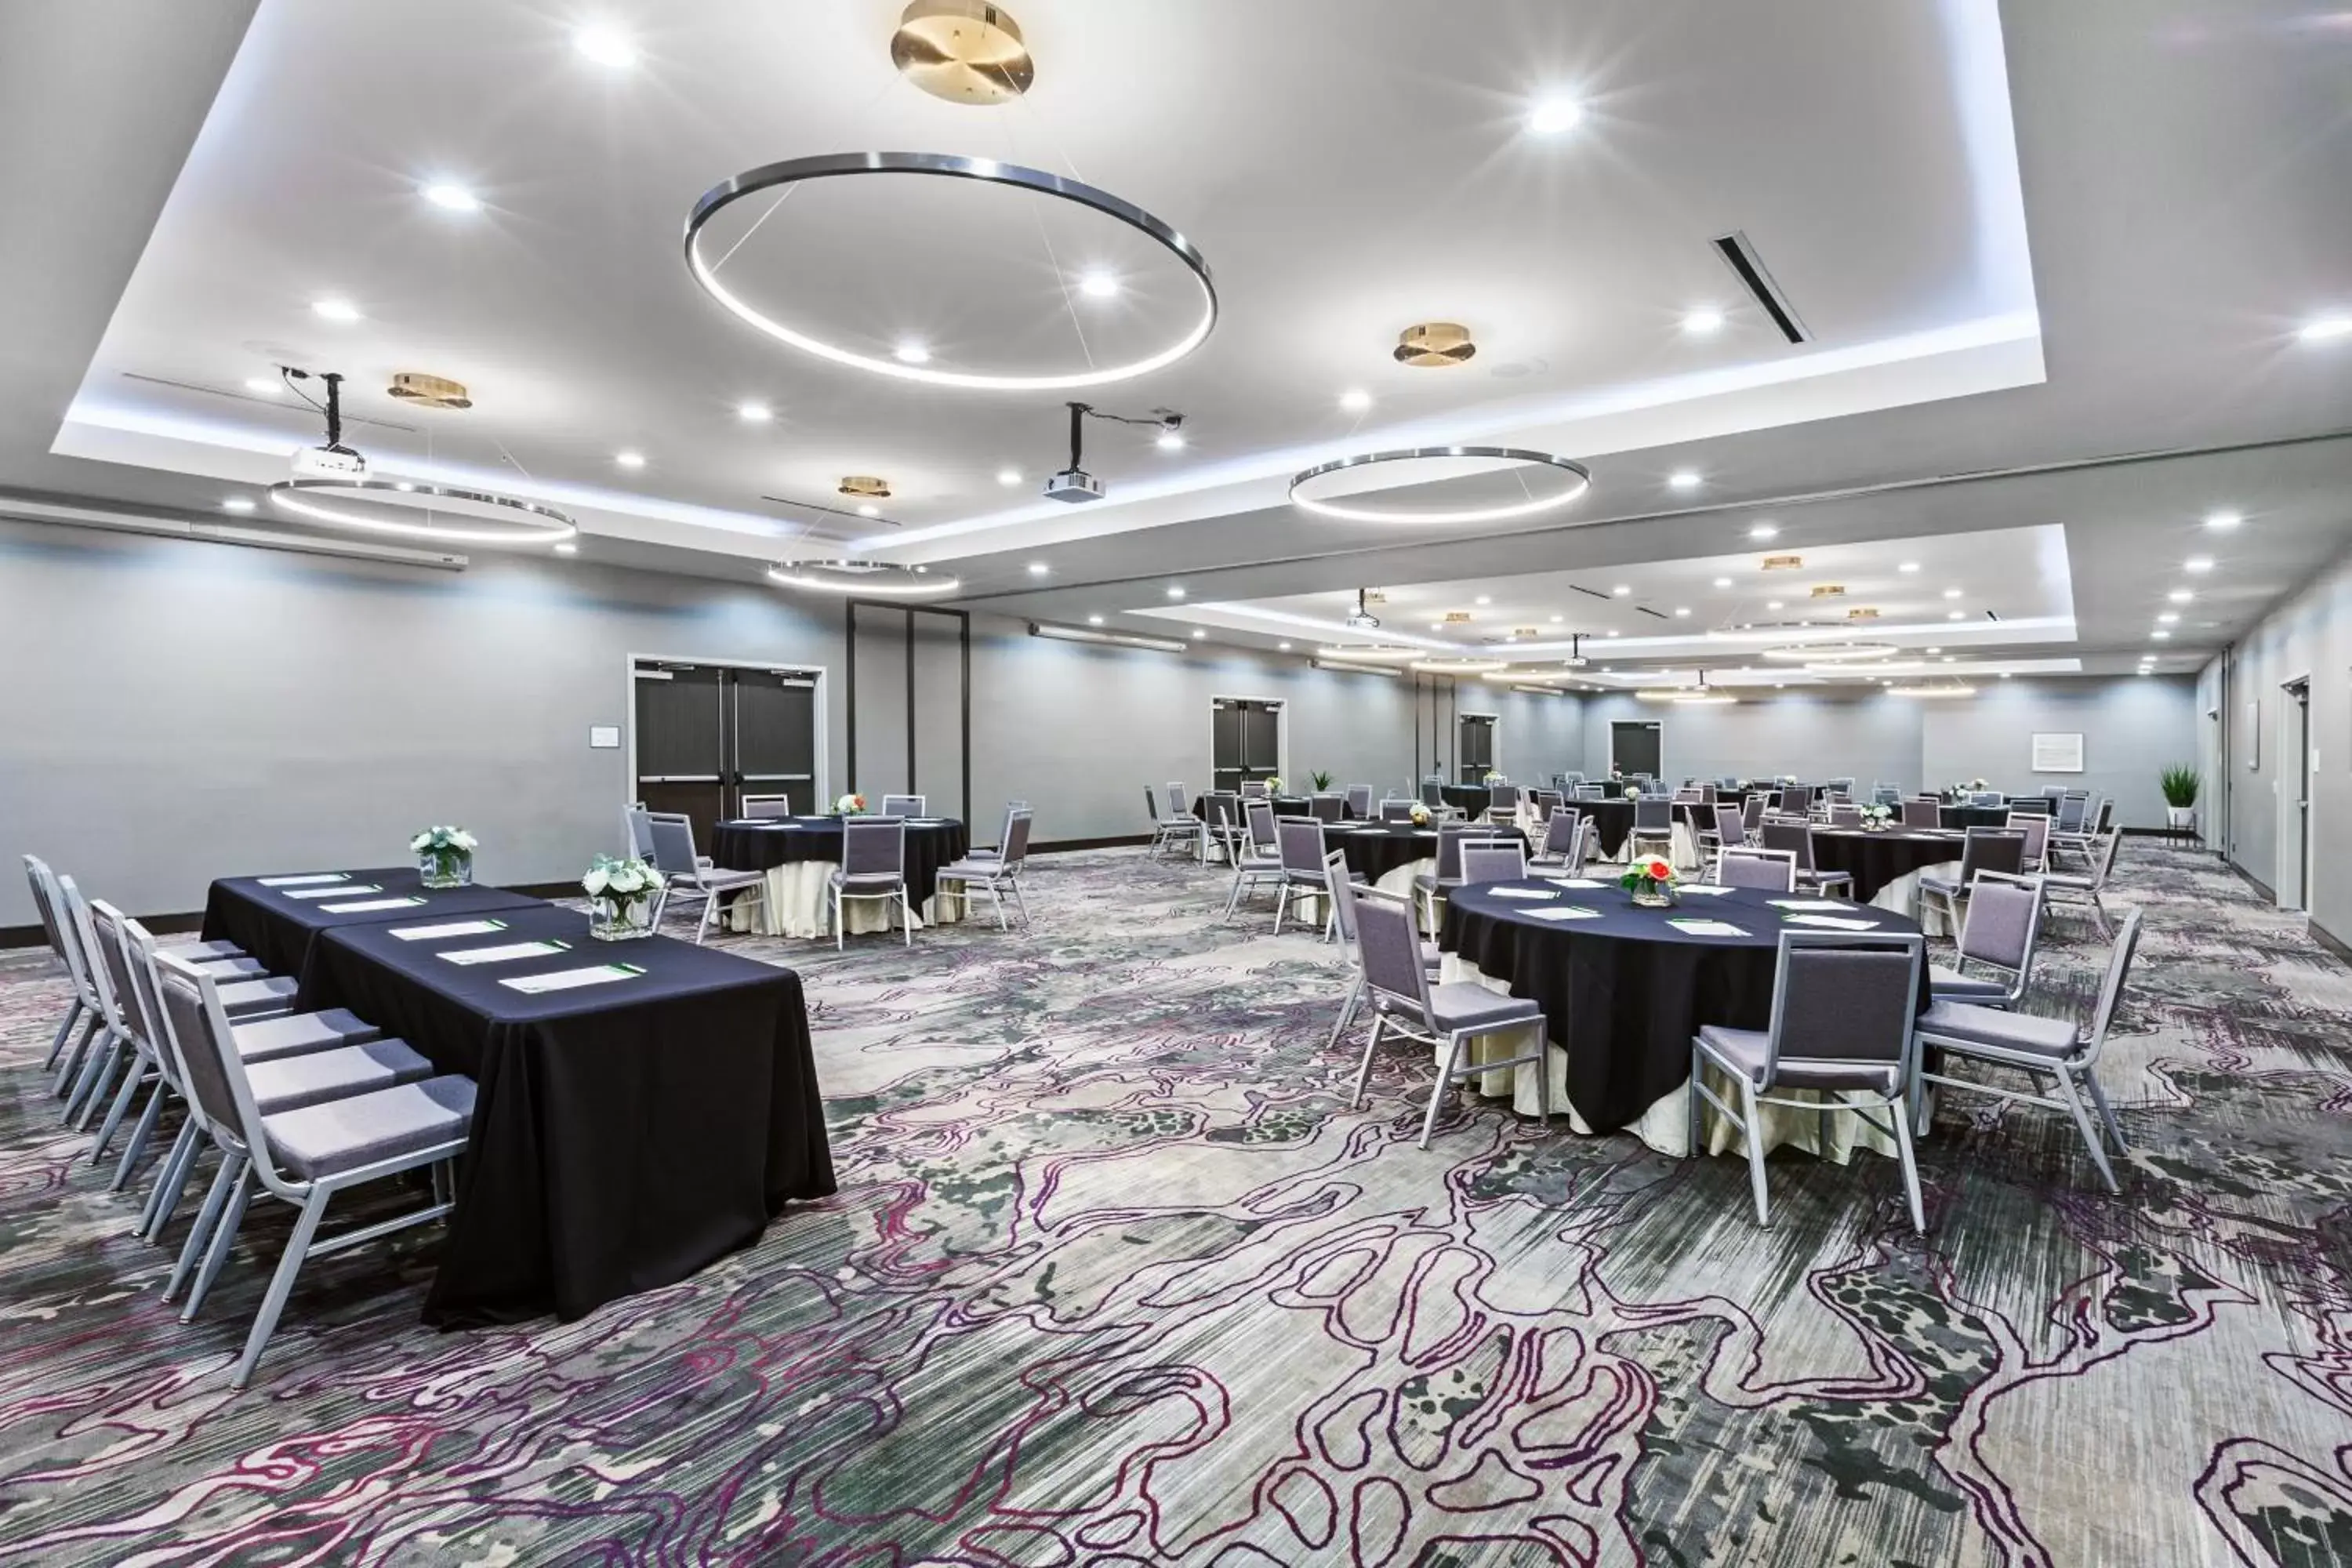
(1474, 748)
(1247, 742)
(1637, 747)
(708, 735)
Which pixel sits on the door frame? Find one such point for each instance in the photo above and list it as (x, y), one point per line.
(2294, 788)
(1281, 706)
(1657, 724)
(1493, 740)
(773, 666)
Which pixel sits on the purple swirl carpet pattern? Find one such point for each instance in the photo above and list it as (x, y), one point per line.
(1115, 1277)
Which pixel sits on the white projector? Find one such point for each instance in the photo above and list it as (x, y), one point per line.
(329, 463)
(1074, 485)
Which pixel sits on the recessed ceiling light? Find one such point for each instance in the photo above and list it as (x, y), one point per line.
(1355, 400)
(1723, 581)
(1621, 590)
(1683, 480)
(2327, 327)
(1612, 634)
(1951, 658)
(1909, 566)
(403, 484)
(1771, 603)
(1200, 634)
(605, 45)
(453, 198)
(237, 503)
(1008, 476)
(1951, 592)
(1557, 619)
(754, 412)
(1175, 593)
(1702, 321)
(1038, 568)
(334, 309)
(1283, 646)
(1550, 116)
(2180, 595)
(1681, 609)
(1484, 599)
(2169, 617)
(1437, 625)
(1935, 650)
(2197, 563)
(2225, 519)
(567, 549)
(2004, 674)
(2159, 635)
(869, 510)
(1094, 620)
(1956, 616)
(1098, 285)
(630, 459)
(264, 385)
(1764, 530)
(1170, 441)
(912, 353)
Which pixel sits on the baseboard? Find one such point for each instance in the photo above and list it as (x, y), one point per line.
(1069, 846)
(159, 925)
(2269, 893)
(2328, 939)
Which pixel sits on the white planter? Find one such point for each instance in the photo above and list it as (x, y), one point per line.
(2182, 818)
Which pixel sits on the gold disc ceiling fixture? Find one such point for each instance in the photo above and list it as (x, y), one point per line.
(428, 391)
(1435, 344)
(866, 486)
(964, 51)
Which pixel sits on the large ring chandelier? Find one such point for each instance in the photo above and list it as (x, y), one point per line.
(1830, 652)
(1570, 480)
(796, 172)
(478, 517)
(836, 575)
(1460, 665)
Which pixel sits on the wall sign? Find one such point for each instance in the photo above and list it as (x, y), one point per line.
(2058, 752)
(603, 737)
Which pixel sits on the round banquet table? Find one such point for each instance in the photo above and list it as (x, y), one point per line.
(1378, 851)
(1956, 817)
(1613, 826)
(1881, 860)
(1470, 800)
(799, 855)
(1623, 991)
(1283, 806)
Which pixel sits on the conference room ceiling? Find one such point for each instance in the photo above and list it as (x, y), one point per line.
(2127, 279)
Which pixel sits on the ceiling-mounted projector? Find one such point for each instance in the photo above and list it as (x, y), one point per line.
(334, 460)
(1074, 485)
(1363, 620)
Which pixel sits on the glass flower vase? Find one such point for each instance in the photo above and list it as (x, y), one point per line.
(444, 868)
(1653, 894)
(620, 920)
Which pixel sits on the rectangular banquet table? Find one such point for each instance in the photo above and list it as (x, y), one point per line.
(275, 925)
(624, 1134)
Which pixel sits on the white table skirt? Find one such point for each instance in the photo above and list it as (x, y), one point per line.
(798, 903)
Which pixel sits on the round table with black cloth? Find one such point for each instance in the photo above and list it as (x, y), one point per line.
(1959, 816)
(1624, 993)
(1874, 859)
(1378, 850)
(1283, 806)
(1470, 800)
(931, 842)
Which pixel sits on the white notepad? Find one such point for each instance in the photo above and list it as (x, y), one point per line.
(448, 928)
(1808, 903)
(306, 879)
(1706, 928)
(1572, 882)
(1565, 913)
(1832, 923)
(370, 906)
(335, 892)
(1695, 888)
(503, 953)
(1517, 893)
(571, 979)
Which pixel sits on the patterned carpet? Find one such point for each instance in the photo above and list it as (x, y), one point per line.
(1115, 1278)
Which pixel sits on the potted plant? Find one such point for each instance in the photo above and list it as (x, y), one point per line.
(1321, 780)
(2180, 784)
(623, 898)
(850, 805)
(1651, 881)
(445, 857)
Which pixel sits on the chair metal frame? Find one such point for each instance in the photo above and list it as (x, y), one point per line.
(701, 879)
(839, 883)
(1000, 873)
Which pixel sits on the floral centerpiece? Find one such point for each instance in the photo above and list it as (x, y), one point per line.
(623, 898)
(445, 857)
(850, 805)
(1651, 881)
(1491, 779)
(1878, 816)
(1632, 792)
(1420, 815)
(1273, 786)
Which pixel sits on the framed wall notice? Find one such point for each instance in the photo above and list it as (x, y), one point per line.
(2058, 752)
(2255, 735)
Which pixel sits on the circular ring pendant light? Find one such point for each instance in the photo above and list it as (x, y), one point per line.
(1460, 665)
(449, 514)
(838, 576)
(796, 172)
(1830, 652)
(1372, 650)
(1569, 480)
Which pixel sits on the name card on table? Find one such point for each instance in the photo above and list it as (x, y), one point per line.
(1808, 903)
(1565, 913)
(1832, 923)
(370, 906)
(1519, 893)
(572, 979)
(1696, 887)
(343, 891)
(448, 928)
(1573, 882)
(1706, 928)
(504, 953)
(305, 879)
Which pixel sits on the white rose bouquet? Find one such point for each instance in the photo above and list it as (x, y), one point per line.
(621, 898)
(1420, 815)
(1877, 816)
(851, 804)
(445, 856)
(1273, 786)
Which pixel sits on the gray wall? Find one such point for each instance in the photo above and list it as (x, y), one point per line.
(2308, 635)
(1817, 736)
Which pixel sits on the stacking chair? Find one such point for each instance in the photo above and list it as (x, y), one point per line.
(873, 867)
(1176, 828)
(1430, 885)
(1797, 800)
(2003, 920)
(1842, 786)
(1751, 817)
(1988, 799)
(1797, 839)
(1326, 807)
(1923, 811)
(1843, 1023)
(766, 807)
(1886, 795)
(1344, 894)
(2084, 890)
(1545, 802)
(1433, 795)
(1226, 830)
(2052, 1048)
(1505, 861)
(685, 872)
(1728, 832)
(1844, 814)
(1653, 829)
(1299, 844)
(1446, 1016)
(1502, 802)
(1180, 799)
(1571, 781)
(1259, 862)
(990, 852)
(2036, 828)
(1982, 849)
(1359, 801)
(905, 806)
(1591, 792)
(304, 1154)
(1563, 846)
(997, 874)
(1771, 870)
(53, 926)
(137, 1058)
(1251, 789)
(1395, 810)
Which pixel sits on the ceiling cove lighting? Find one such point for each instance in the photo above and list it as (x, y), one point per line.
(1106, 639)
(417, 511)
(1459, 666)
(1372, 650)
(1572, 479)
(1830, 652)
(1346, 668)
(1938, 689)
(793, 173)
(840, 575)
(236, 504)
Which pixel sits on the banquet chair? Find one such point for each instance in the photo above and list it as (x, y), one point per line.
(2003, 920)
(303, 1156)
(1751, 817)
(905, 806)
(1344, 894)
(1729, 830)
(1843, 1023)
(1563, 846)
(1988, 799)
(766, 807)
(1571, 781)
(137, 1058)
(1429, 885)
(685, 872)
(987, 852)
(1433, 795)
(1842, 786)
(1445, 1016)
(1654, 827)
(1326, 807)
(1502, 802)
(1923, 811)
(1591, 792)
(873, 867)
(1227, 832)
(1500, 862)
(2036, 828)
(1180, 799)
(1886, 795)
(999, 873)
(1393, 809)
(1797, 800)
(636, 830)
(1251, 789)
(1259, 864)
(1981, 849)
(1359, 801)
(1299, 844)
(2053, 1048)
(2085, 889)
(1176, 827)
(1544, 802)
(43, 881)
(1771, 870)
(1689, 794)
(1844, 815)
(1796, 838)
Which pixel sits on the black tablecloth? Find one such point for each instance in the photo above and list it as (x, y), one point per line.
(1613, 822)
(1874, 859)
(276, 929)
(1380, 848)
(1623, 994)
(931, 842)
(625, 1135)
(1470, 800)
(1283, 806)
(1959, 816)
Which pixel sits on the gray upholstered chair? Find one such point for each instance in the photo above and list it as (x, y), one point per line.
(1429, 886)
(997, 874)
(1844, 814)
(1175, 828)
(766, 807)
(1751, 815)
(1653, 829)
(906, 806)
(1502, 802)
(638, 832)
(1981, 849)
(1728, 832)
(873, 870)
(1393, 809)
(1224, 823)
(1923, 811)
(1844, 1012)
(2031, 855)
(1797, 800)
(2086, 889)
(2052, 1048)
(138, 1058)
(688, 874)
(1251, 789)
(304, 1153)
(1259, 864)
(1344, 895)
(1564, 845)
(1502, 861)
(1299, 844)
(1797, 839)
(1446, 1016)
(2003, 920)
(1771, 870)
(1326, 807)
(1359, 801)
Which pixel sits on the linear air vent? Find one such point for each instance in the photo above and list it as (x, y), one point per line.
(1748, 268)
(1590, 593)
(267, 400)
(1654, 615)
